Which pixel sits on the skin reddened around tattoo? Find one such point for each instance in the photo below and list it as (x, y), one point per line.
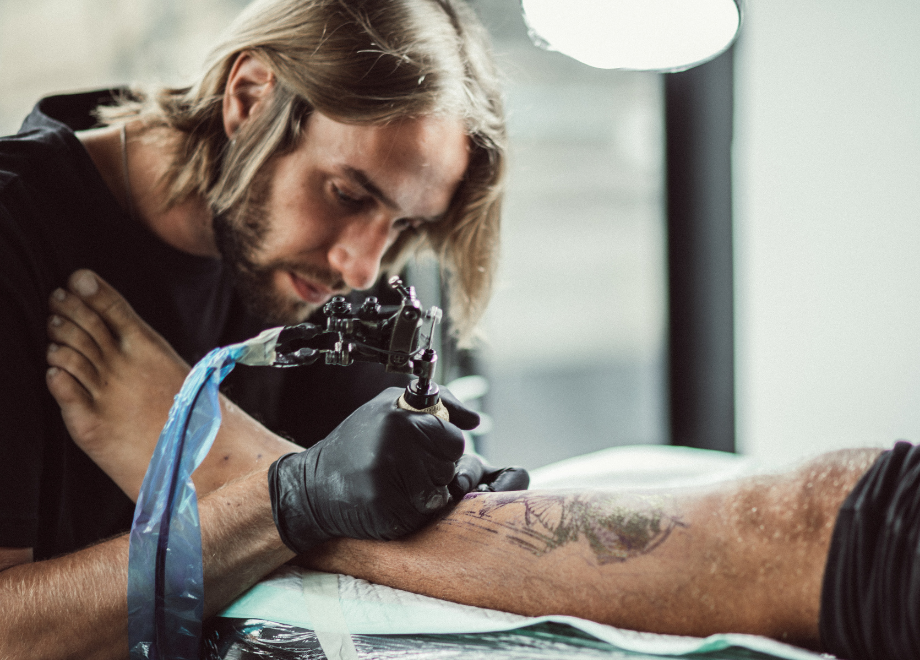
(615, 528)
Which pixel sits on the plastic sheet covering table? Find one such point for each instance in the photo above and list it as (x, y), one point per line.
(252, 639)
(275, 619)
(280, 613)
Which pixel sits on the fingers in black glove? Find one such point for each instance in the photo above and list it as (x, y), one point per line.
(504, 479)
(428, 480)
(460, 416)
(474, 474)
(470, 469)
(379, 475)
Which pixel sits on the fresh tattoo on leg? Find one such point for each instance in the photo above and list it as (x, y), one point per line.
(615, 530)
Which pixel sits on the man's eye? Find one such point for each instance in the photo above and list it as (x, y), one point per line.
(346, 199)
(406, 223)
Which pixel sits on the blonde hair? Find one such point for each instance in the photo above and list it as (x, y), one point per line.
(358, 61)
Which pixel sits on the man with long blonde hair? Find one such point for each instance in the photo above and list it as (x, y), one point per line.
(325, 142)
(361, 63)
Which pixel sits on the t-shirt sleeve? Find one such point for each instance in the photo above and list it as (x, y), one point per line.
(871, 590)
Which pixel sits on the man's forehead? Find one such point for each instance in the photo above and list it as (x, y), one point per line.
(396, 161)
(425, 135)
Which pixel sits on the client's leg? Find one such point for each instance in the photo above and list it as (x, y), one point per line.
(744, 556)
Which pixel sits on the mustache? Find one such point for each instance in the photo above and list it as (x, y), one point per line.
(326, 277)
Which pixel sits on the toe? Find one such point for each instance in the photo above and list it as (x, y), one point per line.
(76, 365)
(77, 407)
(64, 332)
(105, 301)
(74, 312)
(66, 390)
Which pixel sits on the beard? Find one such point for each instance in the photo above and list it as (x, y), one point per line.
(240, 235)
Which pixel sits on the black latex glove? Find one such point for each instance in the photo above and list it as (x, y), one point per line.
(474, 474)
(380, 474)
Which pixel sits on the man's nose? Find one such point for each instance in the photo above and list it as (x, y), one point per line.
(357, 251)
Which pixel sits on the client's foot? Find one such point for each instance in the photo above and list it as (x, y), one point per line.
(115, 378)
(112, 374)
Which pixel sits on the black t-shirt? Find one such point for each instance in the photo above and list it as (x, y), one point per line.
(56, 216)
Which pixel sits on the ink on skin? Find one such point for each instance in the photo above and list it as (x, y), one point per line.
(614, 532)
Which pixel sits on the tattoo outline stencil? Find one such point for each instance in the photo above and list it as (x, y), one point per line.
(547, 521)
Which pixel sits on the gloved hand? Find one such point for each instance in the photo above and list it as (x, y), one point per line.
(380, 474)
(473, 473)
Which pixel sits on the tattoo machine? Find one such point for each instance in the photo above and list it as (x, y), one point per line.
(166, 579)
(400, 339)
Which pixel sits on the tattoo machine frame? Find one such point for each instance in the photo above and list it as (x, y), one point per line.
(165, 572)
(373, 334)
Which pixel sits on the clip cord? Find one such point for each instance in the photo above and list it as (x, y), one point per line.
(165, 574)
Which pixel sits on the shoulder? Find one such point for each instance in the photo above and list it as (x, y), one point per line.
(36, 159)
(36, 168)
(46, 144)
(51, 198)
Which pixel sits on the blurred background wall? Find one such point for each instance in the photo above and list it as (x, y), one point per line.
(575, 335)
(49, 46)
(827, 185)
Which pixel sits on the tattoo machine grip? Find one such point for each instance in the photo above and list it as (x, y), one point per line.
(422, 395)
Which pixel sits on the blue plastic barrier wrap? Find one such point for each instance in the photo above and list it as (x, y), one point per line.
(165, 576)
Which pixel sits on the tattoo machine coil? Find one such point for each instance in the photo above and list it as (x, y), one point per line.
(400, 339)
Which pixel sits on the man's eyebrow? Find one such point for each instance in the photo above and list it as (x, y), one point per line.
(361, 178)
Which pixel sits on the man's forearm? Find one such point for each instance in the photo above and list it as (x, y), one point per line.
(70, 606)
(76, 605)
(741, 557)
(239, 541)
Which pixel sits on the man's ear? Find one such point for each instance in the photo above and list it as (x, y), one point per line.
(248, 86)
